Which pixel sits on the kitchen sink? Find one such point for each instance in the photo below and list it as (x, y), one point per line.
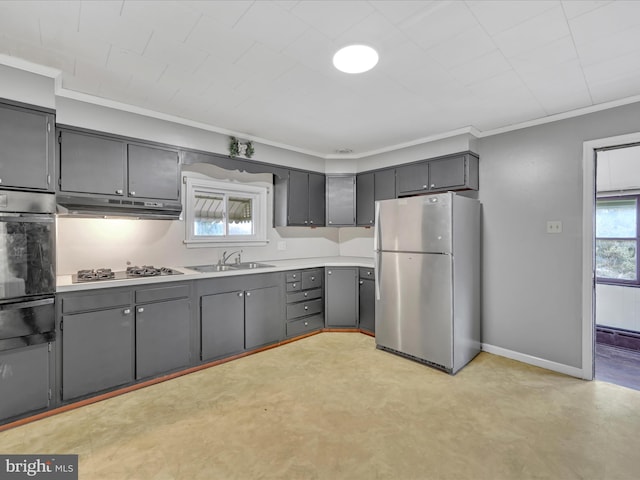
(225, 268)
(242, 266)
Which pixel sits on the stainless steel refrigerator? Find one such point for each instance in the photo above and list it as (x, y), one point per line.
(428, 279)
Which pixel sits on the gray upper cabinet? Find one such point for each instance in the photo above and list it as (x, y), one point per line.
(92, 164)
(299, 199)
(364, 199)
(107, 165)
(341, 200)
(153, 172)
(341, 297)
(370, 187)
(453, 172)
(26, 147)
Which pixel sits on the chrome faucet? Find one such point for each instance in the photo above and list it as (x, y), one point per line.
(226, 257)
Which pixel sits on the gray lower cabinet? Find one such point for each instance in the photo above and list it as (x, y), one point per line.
(27, 144)
(305, 303)
(162, 337)
(341, 297)
(341, 200)
(97, 351)
(262, 316)
(367, 300)
(24, 380)
(240, 313)
(221, 325)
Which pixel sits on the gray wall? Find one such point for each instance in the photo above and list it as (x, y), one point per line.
(531, 279)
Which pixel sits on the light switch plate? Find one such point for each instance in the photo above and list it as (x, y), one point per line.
(554, 226)
(282, 245)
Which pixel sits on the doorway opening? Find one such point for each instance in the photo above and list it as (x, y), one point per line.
(617, 265)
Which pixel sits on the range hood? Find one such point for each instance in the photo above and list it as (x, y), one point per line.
(92, 207)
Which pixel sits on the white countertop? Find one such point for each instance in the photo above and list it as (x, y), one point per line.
(64, 283)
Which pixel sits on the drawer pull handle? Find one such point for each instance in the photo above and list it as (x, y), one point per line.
(294, 285)
(306, 307)
(313, 279)
(293, 276)
(306, 294)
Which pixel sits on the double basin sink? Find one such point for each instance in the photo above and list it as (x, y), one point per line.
(226, 267)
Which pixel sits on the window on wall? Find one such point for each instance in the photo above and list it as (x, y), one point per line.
(219, 212)
(617, 240)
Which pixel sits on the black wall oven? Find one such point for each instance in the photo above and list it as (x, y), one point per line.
(27, 296)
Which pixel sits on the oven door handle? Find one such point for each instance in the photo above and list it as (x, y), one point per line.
(28, 304)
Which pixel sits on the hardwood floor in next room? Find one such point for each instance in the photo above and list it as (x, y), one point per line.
(331, 406)
(620, 366)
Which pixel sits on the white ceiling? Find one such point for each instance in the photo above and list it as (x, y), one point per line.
(263, 68)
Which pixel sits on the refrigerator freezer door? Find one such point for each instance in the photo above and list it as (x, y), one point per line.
(415, 224)
(414, 307)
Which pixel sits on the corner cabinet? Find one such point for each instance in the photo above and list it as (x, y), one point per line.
(341, 200)
(27, 142)
(370, 187)
(341, 297)
(453, 172)
(299, 199)
(93, 163)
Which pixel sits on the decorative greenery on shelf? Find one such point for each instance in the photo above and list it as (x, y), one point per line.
(236, 148)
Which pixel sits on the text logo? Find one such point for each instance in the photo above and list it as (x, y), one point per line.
(49, 467)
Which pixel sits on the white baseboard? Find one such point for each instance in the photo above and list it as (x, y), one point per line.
(531, 360)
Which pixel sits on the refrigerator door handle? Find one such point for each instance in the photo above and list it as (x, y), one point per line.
(376, 236)
(376, 266)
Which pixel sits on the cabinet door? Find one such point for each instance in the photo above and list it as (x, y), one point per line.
(365, 198)
(221, 324)
(97, 351)
(316, 199)
(366, 310)
(447, 173)
(162, 337)
(412, 178)
(26, 148)
(91, 164)
(24, 381)
(341, 297)
(341, 200)
(385, 184)
(153, 173)
(298, 201)
(264, 316)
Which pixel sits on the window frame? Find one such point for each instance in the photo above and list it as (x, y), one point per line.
(227, 188)
(618, 281)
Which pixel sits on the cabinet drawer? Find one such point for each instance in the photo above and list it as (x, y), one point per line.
(311, 279)
(304, 325)
(162, 293)
(308, 295)
(94, 302)
(293, 287)
(301, 309)
(367, 273)
(293, 276)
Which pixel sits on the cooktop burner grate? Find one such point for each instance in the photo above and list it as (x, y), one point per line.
(98, 274)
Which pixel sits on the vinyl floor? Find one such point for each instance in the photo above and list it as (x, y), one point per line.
(331, 406)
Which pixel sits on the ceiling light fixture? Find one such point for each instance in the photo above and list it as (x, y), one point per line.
(355, 59)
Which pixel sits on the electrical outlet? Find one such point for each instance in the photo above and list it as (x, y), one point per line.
(282, 245)
(554, 226)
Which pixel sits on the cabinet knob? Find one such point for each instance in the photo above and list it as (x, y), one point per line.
(248, 294)
(293, 276)
(433, 185)
(126, 311)
(330, 221)
(294, 285)
(240, 294)
(361, 282)
(306, 222)
(370, 221)
(424, 186)
(0, 180)
(306, 294)
(311, 222)
(306, 324)
(369, 273)
(329, 272)
(306, 307)
(133, 194)
(313, 279)
(119, 191)
(140, 309)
